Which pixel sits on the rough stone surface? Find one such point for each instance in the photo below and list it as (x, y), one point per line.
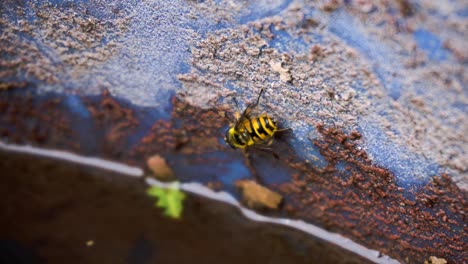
(375, 93)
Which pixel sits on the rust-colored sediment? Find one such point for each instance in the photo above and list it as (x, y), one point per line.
(23, 120)
(190, 130)
(364, 202)
(114, 121)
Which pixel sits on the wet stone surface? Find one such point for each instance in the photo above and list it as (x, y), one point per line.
(375, 93)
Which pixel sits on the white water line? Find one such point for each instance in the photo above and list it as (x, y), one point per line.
(68, 156)
(204, 191)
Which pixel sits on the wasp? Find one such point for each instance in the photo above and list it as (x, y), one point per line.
(251, 130)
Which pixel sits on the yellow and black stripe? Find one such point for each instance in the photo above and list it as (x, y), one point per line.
(260, 129)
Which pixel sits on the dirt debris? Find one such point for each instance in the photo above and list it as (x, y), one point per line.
(458, 47)
(161, 170)
(330, 5)
(257, 196)
(284, 73)
(435, 260)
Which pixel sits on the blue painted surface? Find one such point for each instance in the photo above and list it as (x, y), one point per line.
(67, 2)
(409, 169)
(461, 105)
(211, 166)
(83, 123)
(463, 12)
(256, 11)
(303, 147)
(280, 40)
(431, 44)
(232, 172)
(349, 30)
(284, 42)
(76, 106)
(341, 166)
(270, 170)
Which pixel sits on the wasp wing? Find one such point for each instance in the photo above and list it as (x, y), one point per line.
(246, 113)
(245, 116)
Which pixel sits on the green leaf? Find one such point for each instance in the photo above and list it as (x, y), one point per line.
(171, 199)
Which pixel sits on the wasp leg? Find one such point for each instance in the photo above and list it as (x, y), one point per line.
(267, 148)
(251, 168)
(264, 148)
(272, 151)
(269, 142)
(237, 114)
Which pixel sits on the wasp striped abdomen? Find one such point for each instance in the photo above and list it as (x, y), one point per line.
(261, 128)
(250, 130)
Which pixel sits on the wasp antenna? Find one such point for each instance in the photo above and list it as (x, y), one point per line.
(237, 105)
(259, 95)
